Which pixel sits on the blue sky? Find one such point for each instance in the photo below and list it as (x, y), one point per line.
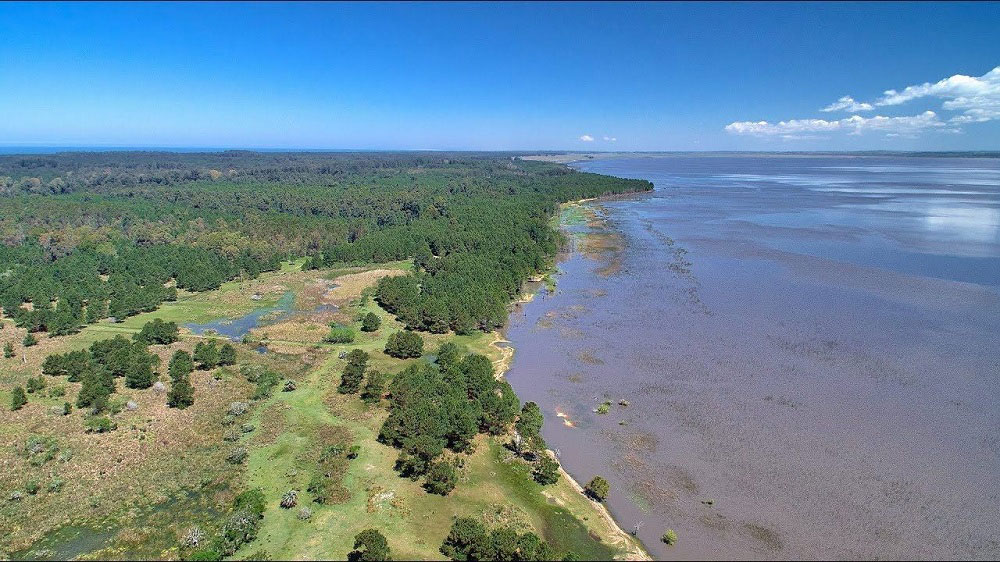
(501, 76)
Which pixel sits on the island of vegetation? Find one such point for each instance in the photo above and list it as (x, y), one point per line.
(367, 419)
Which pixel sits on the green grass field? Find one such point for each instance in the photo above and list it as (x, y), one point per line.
(172, 474)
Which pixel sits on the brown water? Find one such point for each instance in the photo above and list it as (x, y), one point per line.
(809, 350)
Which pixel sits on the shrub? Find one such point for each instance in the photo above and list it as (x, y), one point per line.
(370, 322)
(40, 450)
(441, 478)
(193, 537)
(237, 456)
(29, 340)
(18, 399)
(597, 488)
(56, 484)
(289, 499)
(238, 408)
(232, 435)
(304, 513)
(266, 381)
(32, 487)
(67, 408)
(252, 501)
(240, 528)
(669, 538)
(102, 424)
(289, 386)
(8, 350)
(340, 334)
(405, 345)
(35, 384)
(318, 488)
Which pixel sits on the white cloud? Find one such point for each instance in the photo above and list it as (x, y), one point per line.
(854, 125)
(962, 91)
(610, 139)
(977, 98)
(587, 138)
(847, 103)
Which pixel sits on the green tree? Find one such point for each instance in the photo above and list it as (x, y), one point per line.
(18, 398)
(227, 354)
(206, 354)
(370, 322)
(529, 423)
(434, 316)
(98, 385)
(448, 355)
(374, 387)
(597, 488)
(140, 374)
(441, 478)
(370, 544)
(181, 365)
(29, 340)
(546, 470)
(354, 372)
(499, 408)
(8, 350)
(466, 538)
(158, 332)
(405, 345)
(181, 393)
(478, 376)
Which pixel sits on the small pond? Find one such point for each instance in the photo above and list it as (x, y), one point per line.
(236, 328)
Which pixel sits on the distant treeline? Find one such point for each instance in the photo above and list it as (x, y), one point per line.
(90, 235)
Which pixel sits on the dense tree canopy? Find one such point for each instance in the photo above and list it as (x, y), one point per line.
(86, 236)
(469, 540)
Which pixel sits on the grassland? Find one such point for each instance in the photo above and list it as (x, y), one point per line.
(132, 493)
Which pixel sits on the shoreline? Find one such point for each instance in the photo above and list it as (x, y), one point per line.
(632, 547)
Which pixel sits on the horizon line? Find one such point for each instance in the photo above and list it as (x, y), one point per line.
(12, 149)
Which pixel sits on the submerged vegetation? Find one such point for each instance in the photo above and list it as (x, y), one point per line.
(372, 420)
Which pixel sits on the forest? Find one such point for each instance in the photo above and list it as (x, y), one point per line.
(88, 236)
(419, 254)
